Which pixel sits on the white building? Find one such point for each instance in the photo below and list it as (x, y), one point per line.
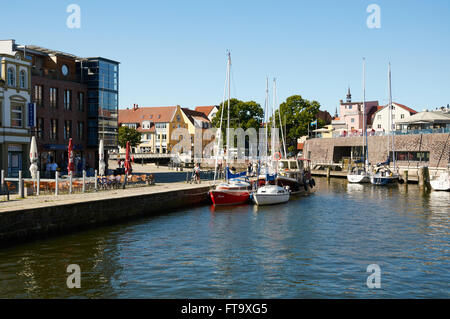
(15, 113)
(380, 119)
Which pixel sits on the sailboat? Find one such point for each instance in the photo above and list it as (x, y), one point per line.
(234, 190)
(383, 175)
(358, 175)
(270, 194)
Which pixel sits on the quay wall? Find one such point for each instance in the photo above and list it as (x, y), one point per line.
(25, 224)
(322, 150)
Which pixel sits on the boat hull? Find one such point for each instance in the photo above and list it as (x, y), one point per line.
(383, 180)
(270, 199)
(354, 178)
(229, 197)
(440, 185)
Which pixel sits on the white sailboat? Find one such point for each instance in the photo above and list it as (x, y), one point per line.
(357, 174)
(383, 175)
(270, 194)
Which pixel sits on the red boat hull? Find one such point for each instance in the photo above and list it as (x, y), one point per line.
(229, 197)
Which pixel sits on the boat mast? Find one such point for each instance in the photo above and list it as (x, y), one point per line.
(365, 151)
(220, 128)
(266, 116)
(228, 112)
(390, 115)
(279, 117)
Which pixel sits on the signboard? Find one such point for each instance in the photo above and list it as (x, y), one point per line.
(31, 114)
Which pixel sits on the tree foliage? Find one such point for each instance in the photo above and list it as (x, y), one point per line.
(129, 134)
(242, 114)
(296, 115)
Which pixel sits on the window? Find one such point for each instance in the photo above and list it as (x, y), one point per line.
(40, 127)
(378, 117)
(54, 129)
(67, 100)
(81, 101)
(402, 116)
(353, 120)
(38, 95)
(412, 156)
(23, 79)
(349, 107)
(54, 97)
(80, 130)
(379, 126)
(16, 116)
(11, 77)
(67, 129)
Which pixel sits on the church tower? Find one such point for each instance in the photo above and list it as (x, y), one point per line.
(349, 96)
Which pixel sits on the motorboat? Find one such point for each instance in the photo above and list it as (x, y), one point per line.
(271, 194)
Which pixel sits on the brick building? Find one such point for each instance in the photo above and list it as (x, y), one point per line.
(75, 98)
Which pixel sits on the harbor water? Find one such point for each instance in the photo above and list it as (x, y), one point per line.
(317, 246)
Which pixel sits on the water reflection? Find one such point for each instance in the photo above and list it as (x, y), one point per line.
(313, 246)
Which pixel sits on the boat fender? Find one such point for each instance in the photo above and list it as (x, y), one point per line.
(313, 182)
(310, 183)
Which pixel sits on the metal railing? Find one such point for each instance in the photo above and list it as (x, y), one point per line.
(397, 132)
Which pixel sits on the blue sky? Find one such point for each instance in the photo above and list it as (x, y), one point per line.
(174, 52)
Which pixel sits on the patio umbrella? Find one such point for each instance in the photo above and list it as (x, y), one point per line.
(101, 158)
(127, 159)
(70, 165)
(33, 158)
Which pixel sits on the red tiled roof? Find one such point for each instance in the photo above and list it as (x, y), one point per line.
(410, 110)
(160, 114)
(205, 109)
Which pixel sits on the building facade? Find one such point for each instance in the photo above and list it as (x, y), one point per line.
(69, 94)
(156, 125)
(352, 112)
(16, 113)
(381, 118)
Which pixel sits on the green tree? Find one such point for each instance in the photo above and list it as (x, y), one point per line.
(129, 134)
(242, 114)
(296, 115)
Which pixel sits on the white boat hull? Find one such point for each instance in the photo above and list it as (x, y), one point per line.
(440, 184)
(270, 199)
(358, 178)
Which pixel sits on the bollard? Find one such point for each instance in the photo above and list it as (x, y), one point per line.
(328, 172)
(38, 182)
(3, 177)
(405, 177)
(96, 182)
(424, 177)
(21, 190)
(83, 189)
(70, 183)
(56, 183)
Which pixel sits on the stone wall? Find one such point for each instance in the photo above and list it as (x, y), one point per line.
(30, 223)
(322, 149)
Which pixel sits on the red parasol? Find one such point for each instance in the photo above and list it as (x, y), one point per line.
(70, 165)
(127, 159)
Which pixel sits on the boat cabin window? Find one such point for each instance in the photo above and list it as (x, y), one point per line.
(293, 165)
(283, 165)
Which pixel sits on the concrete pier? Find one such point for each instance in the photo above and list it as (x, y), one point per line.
(23, 219)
